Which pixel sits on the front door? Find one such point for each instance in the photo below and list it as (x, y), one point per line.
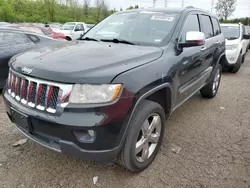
(191, 63)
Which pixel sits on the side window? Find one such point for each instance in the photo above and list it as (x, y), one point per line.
(80, 27)
(216, 25)
(191, 24)
(47, 33)
(13, 38)
(33, 38)
(207, 28)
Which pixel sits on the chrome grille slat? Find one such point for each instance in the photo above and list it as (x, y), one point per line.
(39, 94)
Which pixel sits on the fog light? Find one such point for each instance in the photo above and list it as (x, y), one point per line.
(91, 133)
(85, 136)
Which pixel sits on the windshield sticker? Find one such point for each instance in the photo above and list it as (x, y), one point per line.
(166, 18)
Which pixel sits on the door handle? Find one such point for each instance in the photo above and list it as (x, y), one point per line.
(203, 48)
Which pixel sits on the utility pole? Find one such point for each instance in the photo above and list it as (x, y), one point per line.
(212, 6)
(166, 3)
(182, 4)
(154, 3)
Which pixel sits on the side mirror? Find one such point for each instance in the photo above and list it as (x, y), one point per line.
(193, 38)
(247, 37)
(77, 29)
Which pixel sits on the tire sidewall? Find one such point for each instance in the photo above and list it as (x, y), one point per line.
(220, 69)
(135, 128)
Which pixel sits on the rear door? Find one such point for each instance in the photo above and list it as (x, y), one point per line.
(79, 30)
(245, 42)
(210, 47)
(219, 40)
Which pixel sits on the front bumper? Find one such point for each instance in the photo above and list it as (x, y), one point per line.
(68, 132)
(232, 56)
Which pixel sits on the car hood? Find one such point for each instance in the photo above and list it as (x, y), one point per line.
(232, 42)
(84, 61)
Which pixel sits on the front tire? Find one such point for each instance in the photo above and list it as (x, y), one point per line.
(211, 89)
(144, 137)
(237, 66)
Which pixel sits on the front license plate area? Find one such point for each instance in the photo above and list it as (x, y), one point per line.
(20, 119)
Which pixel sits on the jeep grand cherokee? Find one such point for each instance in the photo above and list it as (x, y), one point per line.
(107, 96)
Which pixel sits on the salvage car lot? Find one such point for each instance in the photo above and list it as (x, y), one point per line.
(206, 144)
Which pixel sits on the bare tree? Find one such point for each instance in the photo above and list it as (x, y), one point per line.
(98, 5)
(50, 5)
(105, 9)
(86, 5)
(225, 8)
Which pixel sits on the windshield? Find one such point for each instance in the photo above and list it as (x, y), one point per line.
(141, 28)
(231, 32)
(68, 26)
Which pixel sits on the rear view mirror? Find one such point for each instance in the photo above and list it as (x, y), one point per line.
(246, 37)
(193, 38)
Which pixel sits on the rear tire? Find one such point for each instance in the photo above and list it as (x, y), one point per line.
(211, 89)
(144, 137)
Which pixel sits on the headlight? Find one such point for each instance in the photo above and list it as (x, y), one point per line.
(231, 47)
(89, 94)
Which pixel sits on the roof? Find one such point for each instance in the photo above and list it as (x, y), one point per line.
(167, 10)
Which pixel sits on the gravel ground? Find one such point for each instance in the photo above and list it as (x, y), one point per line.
(213, 137)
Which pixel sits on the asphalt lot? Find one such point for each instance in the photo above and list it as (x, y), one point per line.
(214, 137)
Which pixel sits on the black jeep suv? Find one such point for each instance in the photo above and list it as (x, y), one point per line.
(107, 96)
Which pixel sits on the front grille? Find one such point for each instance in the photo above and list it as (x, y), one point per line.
(34, 93)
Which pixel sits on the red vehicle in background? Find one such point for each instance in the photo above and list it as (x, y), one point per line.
(40, 30)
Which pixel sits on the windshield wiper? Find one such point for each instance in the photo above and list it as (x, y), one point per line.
(89, 39)
(115, 40)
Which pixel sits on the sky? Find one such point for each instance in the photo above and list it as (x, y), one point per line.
(242, 9)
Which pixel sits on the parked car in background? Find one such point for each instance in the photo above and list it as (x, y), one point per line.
(41, 31)
(56, 27)
(89, 26)
(247, 31)
(73, 30)
(237, 42)
(14, 41)
(4, 23)
(102, 97)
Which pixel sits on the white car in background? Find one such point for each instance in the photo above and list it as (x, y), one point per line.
(237, 42)
(73, 30)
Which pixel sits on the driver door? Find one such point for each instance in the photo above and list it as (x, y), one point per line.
(190, 64)
(78, 31)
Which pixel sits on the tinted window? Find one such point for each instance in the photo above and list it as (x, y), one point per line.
(46, 32)
(80, 27)
(34, 38)
(12, 38)
(207, 28)
(216, 25)
(191, 24)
